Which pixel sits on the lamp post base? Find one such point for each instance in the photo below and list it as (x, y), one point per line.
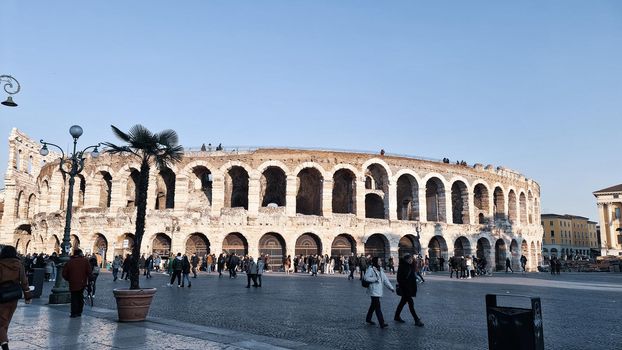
(60, 292)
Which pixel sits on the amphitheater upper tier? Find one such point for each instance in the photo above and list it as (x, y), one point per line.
(276, 201)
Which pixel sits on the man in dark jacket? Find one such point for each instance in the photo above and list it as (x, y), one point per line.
(77, 272)
(194, 261)
(126, 267)
(407, 282)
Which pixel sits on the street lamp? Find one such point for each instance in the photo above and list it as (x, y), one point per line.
(11, 86)
(71, 164)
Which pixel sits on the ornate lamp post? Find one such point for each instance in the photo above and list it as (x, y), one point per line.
(11, 87)
(71, 164)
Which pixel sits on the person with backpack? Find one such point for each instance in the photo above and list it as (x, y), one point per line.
(94, 274)
(374, 279)
(407, 289)
(176, 267)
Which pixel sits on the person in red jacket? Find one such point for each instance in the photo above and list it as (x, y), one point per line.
(77, 272)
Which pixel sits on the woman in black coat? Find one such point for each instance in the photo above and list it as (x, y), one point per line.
(407, 281)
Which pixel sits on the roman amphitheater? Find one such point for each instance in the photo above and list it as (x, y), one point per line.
(278, 202)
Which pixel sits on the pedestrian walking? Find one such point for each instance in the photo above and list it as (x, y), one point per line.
(523, 263)
(77, 272)
(195, 262)
(260, 268)
(287, 264)
(116, 264)
(221, 263)
(126, 267)
(149, 265)
(508, 265)
(13, 281)
(376, 278)
(407, 289)
(175, 268)
(94, 274)
(185, 271)
(251, 273)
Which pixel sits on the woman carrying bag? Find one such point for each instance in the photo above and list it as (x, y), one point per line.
(375, 276)
(13, 282)
(407, 289)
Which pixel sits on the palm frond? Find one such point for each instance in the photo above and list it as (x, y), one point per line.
(168, 137)
(120, 134)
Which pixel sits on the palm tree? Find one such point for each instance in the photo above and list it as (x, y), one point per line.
(159, 149)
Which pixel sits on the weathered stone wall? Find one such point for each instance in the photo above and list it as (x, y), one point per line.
(210, 195)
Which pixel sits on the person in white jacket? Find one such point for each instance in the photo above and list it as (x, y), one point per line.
(377, 278)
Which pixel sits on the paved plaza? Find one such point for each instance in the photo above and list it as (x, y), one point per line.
(580, 311)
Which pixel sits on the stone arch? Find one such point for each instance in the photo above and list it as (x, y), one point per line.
(343, 245)
(408, 244)
(165, 189)
(236, 187)
(100, 245)
(272, 245)
(235, 242)
(460, 202)
(512, 207)
(344, 191)
(437, 249)
(483, 249)
(197, 243)
(308, 244)
(161, 245)
(374, 206)
(309, 192)
(524, 250)
(53, 243)
(20, 205)
(435, 200)
(380, 177)
(44, 199)
(104, 181)
(522, 199)
(131, 188)
(75, 242)
(30, 210)
(407, 198)
(379, 162)
(554, 253)
(462, 247)
(377, 245)
(313, 165)
(481, 202)
(200, 185)
(500, 254)
(499, 203)
(273, 186)
(81, 191)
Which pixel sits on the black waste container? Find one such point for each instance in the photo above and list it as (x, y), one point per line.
(514, 328)
(36, 279)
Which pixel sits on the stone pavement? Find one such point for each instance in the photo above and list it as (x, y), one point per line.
(580, 311)
(40, 326)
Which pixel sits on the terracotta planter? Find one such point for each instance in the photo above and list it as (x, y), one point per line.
(133, 305)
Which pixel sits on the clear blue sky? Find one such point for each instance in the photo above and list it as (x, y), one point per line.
(532, 85)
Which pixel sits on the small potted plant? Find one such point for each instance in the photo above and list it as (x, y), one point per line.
(149, 148)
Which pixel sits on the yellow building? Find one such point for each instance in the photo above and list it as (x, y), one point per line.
(569, 237)
(609, 201)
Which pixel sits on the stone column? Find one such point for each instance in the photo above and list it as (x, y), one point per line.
(392, 201)
(360, 198)
(602, 212)
(491, 207)
(118, 196)
(448, 207)
(151, 196)
(181, 193)
(290, 195)
(423, 205)
(218, 193)
(327, 198)
(254, 187)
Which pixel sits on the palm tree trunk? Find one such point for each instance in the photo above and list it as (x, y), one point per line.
(141, 212)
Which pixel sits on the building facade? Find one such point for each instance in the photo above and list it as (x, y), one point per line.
(609, 201)
(569, 237)
(278, 202)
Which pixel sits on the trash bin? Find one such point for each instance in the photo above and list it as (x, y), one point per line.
(36, 279)
(514, 328)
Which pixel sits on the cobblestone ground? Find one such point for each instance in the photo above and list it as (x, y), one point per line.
(580, 310)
